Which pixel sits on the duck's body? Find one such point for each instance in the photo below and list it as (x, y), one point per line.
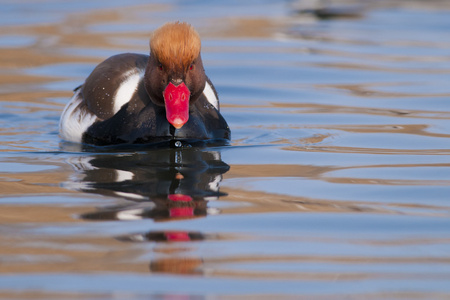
(135, 98)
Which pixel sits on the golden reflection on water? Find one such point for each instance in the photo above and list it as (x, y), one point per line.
(83, 191)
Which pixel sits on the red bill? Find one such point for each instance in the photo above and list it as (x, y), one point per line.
(176, 99)
(179, 197)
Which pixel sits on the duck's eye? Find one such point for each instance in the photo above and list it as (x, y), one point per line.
(191, 67)
(160, 67)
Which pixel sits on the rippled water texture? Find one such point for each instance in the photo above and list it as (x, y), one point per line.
(336, 183)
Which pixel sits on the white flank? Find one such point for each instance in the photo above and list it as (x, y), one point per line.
(214, 185)
(81, 164)
(74, 120)
(127, 88)
(211, 96)
(135, 212)
(129, 215)
(215, 154)
(129, 195)
(137, 238)
(122, 175)
(212, 211)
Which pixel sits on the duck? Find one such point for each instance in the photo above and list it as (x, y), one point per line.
(132, 98)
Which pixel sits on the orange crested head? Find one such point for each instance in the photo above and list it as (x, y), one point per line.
(174, 75)
(175, 45)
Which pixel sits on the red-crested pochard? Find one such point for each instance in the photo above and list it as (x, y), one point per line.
(135, 98)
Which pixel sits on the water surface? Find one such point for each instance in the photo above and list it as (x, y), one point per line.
(336, 183)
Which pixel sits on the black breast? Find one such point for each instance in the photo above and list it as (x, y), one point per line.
(150, 125)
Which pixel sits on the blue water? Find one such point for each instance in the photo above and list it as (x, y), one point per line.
(336, 183)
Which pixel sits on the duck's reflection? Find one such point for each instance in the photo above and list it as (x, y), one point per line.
(165, 236)
(159, 184)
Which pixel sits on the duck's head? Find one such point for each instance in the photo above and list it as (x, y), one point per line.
(175, 77)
